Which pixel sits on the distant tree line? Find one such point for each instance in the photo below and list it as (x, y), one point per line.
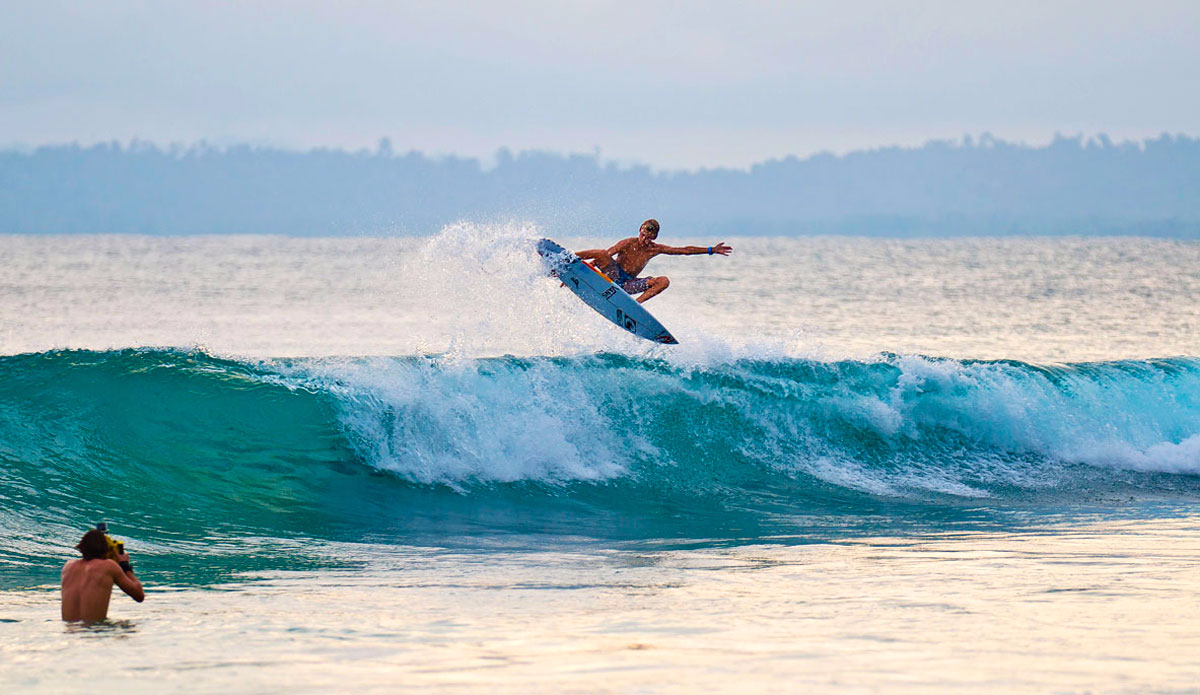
(971, 186)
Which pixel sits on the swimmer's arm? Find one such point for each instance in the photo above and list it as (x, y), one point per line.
(128, 583)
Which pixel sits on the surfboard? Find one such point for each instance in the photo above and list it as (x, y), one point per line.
(601, 293)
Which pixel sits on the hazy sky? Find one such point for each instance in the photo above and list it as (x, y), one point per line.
(672, 84)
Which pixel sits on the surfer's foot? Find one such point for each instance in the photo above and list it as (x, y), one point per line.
(655, 286)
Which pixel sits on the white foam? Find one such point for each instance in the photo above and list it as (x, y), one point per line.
(453, 421)
(1165, 457)
(1120, 417)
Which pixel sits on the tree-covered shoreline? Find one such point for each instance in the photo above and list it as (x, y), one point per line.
(968, 187)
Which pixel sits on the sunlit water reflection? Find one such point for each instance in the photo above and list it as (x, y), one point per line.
(1109, 607)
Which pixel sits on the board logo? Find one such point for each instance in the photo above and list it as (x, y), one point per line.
(609, 292)
(623, 320)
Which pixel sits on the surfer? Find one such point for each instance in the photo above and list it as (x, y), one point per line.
(628, 257)
(87, 583)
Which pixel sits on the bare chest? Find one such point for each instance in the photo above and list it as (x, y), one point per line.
(634, 260)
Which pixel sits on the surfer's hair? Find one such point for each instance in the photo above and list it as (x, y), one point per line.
(93, 545)
(650, 225)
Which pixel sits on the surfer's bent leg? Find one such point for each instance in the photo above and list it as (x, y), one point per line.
(653, 287)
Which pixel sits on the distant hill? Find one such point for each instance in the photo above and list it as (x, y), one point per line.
(978, 186)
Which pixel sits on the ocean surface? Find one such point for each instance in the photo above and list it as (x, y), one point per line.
(392, 465)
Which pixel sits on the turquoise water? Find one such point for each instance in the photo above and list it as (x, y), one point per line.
(334, 466)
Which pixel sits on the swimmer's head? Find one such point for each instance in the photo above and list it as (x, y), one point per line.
(94, 545)
(649, 230)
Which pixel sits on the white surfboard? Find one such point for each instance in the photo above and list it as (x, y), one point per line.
(601, 293)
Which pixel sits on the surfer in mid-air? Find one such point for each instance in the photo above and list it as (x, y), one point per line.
(628, 257)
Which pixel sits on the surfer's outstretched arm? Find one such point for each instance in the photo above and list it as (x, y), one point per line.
(721, 248)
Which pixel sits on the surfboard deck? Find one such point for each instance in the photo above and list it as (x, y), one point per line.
(601, 293)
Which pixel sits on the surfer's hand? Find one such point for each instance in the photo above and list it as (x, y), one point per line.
(722, 249)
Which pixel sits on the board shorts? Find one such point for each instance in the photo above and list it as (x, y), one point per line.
(627, 282)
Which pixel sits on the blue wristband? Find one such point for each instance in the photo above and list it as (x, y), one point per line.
(710, 250)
